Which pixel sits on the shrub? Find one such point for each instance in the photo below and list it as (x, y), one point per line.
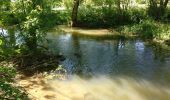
(149, 29)
(7, 90)
(105, 17)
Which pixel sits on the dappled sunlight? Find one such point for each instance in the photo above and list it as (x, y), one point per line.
(84, 49)
(91, 32)
(96, 88)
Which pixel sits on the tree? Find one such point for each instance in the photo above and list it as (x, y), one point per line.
(118, 3)
(34, 19)
(157, 8)
(76, 4)
(4, 9)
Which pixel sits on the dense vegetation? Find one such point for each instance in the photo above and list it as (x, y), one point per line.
(24, 23)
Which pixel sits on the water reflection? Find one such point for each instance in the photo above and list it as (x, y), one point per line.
(91, 57)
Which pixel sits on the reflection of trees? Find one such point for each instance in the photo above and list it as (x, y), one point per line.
(77, 54)
(160, 52)
(118, 44)
(80, 68)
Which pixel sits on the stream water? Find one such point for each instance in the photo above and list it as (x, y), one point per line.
(107, 69)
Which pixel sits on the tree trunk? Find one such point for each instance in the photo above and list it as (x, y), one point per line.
(31, 42)
(157, 11)
(162, 7)
(118, 5)
(166, 3)
(12, 38)
(75, 12)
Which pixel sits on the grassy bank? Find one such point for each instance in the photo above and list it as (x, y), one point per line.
(148, 29)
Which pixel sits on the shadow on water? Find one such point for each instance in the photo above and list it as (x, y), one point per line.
(27, 63)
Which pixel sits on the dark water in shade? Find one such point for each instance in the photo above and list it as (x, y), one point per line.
(88, 57)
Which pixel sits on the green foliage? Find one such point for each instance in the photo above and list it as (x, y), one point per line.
(34, 18)
(4, 5)
(4, 51)
(154, 30)
(6, 17)
(8, 47)
(166, 17)
(62, 17)
(7, 90)
(7, 74)
(164, 31)
(141, 1)
(148, 29)
(157, 9)
(104, 17)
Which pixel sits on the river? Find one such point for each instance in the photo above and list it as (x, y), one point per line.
(100, 68)
(107, 69)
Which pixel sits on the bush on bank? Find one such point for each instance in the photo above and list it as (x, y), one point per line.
(7, 90)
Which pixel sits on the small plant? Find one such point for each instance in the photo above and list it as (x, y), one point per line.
(7, 90)
(149, 29)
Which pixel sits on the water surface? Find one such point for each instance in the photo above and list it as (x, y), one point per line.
(108, 69)
(104, 69)
(88, 57)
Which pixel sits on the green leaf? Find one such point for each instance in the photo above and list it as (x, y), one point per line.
(1, 42)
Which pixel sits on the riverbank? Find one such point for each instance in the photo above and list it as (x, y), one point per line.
(96, 88)
(108, 33)
(20, 67)
(157, 32)
(87, 31)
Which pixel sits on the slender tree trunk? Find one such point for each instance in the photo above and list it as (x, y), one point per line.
(162, 7)
(166, 3)
(11, 33)
(118, 5)
(76, 4)
(156, 10)
(31, 42)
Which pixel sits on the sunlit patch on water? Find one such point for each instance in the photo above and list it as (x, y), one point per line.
(98, 88)
(139, 46)
(3, 32)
